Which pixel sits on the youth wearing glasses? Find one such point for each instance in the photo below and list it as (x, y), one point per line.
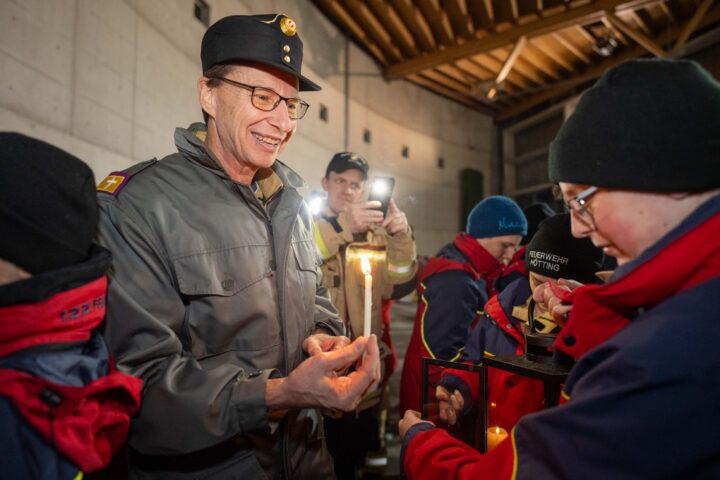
(637, 163)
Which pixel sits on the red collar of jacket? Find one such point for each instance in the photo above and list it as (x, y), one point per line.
(600, 311)
(87, 424)
(487, 266)
(68, 316)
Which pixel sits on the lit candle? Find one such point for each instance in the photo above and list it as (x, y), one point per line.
(365, 264)
(495, 435)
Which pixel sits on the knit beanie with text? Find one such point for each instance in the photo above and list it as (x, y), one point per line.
(496, 216)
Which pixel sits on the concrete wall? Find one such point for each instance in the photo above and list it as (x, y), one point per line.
(109, 80)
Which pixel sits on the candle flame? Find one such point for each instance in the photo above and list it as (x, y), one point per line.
(497, 429)
(365, 264)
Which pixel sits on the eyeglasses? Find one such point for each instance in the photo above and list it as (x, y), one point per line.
(267, 100)
(578, 204)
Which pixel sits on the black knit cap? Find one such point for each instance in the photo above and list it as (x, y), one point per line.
(648, 125)
(555, 253)
(535, 213)
(48, 207)
(270, 39)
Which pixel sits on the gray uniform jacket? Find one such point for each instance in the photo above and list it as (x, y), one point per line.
(212, 293)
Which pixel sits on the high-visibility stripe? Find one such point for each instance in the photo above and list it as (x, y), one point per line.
(422, 321)
(79, 476)
(399, 268)
(324, 252)
(513, 476)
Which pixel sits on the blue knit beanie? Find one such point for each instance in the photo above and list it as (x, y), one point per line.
(496, 216)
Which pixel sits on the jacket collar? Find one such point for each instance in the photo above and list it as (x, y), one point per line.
(68, 316)
(480, 258)
(189, 144)
(690, 252)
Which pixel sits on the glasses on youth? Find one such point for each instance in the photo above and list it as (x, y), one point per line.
(579, 204)
(267, 100)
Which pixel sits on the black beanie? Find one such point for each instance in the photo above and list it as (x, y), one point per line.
(48, 208)
(648, 125)
(535, 213)
(555, 253)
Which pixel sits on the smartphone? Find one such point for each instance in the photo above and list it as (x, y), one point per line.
(381, 189)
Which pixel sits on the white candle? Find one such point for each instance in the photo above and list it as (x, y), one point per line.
(495, 435)
(365, 264)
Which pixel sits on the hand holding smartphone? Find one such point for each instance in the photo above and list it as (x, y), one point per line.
(381, 190)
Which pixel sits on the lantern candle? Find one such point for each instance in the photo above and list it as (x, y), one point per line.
(495, 435)
(365, 264)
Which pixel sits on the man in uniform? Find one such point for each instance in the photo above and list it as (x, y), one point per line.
(348, 229)
(215, 297)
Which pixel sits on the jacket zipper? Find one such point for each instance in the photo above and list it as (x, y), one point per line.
(280, 297)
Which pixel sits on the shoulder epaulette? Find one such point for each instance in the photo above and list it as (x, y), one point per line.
(116, 181)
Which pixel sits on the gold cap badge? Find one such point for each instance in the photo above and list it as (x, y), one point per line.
(288, 26)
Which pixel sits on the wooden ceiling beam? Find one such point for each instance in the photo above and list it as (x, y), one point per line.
(457, 14)
(639, 37)
(666, 10)
(571, 47)
(566, 85)
(378, 35)
(642, 27)
(538, 59)
(438, 21)
(466, 99)
(542, 26)
(479, 15)
(691, 25)
(392, 23)
(510, 60)
(540, 43)
(487, 74)
(616, 32)
(450, 82)
(515, 10)
(459, 75)
(342, 17)
(507, 66)
(493, 64)
(644, 20)
(523, 71)
(416, 24)
(598, 69)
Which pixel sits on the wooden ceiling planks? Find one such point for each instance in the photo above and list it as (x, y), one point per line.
(523, 52)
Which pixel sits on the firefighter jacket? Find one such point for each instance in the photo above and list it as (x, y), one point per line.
(214, 287)
(392, 261)
(642, 398)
